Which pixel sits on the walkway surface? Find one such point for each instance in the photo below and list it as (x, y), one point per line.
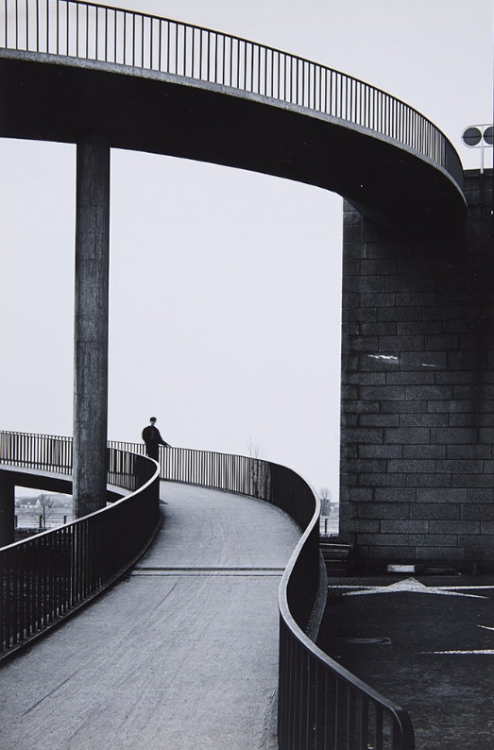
(425, 642)
(181, 655)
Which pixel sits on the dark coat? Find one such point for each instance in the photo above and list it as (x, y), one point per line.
(152, 437)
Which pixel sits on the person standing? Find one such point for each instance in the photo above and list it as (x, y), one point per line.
(152, 437)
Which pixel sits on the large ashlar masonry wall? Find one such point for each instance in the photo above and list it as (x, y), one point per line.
(417, 462)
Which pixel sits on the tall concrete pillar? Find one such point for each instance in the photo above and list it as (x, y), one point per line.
(6, 511)
(91, 324)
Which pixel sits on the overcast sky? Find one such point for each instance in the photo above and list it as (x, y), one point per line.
(225, 285)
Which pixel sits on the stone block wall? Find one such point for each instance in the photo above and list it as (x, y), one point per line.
(417, 460)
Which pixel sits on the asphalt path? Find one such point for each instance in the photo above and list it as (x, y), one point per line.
(427, 643)
(182, 654)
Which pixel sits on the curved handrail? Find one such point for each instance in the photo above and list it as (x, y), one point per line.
(104, 34)
(47, 577)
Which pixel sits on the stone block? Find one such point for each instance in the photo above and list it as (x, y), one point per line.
(433, 361)
(436, 511)
(419, 326)
(423, 377)
(404, 527)
(364, 284)
(469, 420)
(455, 527)
(481, 495)
(390, 481)
(393, 495)
(409, 466)
(384, 510)
(429, 480)
(378, 362)
(355, 495)
(456, 377)
(379, 420)
(361, 407)
(378, 329)
(424, 451)
(368, 526)
(402, 553)
(442, 343)
(348, 480)
(450, 407)
(407, 435)
(437, 495)
(457, 435)
(460, 452)
(350, 329)
(472, 481)
(433, 540)
(380, 267)
(429, 392)
(486, 435)
(383, 393)
(443, 554)
(366, 378)
(364, 435)
(383, 540)
(380, 451)
(424, 420)
(401, 343)
(476, 540)
(363, 465)
(469, 466)
(470, 360)
(350, 300)
(404, 407)
(377, 300)
(415, 299)
(404, 284)
(358, 314)
(399, 314)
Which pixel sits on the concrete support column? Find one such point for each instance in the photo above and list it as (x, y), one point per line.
(6, 511)
(91, 324)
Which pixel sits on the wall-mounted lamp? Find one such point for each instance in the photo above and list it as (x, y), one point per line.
(479, 136)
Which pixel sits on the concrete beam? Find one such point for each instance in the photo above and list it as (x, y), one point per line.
(91, 324)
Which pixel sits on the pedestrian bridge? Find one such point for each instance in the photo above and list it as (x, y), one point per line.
(71, 69)
(205, 635)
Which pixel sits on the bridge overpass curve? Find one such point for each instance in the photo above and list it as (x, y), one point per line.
(198, 94)
(182, 654)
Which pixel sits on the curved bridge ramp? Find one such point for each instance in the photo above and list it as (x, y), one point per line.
(182, 654)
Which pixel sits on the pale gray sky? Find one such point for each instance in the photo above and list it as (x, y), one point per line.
(225, 286)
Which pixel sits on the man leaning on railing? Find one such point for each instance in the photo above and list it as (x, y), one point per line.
(152, 437)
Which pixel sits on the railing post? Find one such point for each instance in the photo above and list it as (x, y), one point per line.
(7, 520)
(91, 324)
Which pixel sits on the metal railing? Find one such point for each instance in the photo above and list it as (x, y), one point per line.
(100, 33)
(48, 576)
(321, 705)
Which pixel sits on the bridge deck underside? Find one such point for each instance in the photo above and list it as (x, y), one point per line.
(63, 99)
(182, 654)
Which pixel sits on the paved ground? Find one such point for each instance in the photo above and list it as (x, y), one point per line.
(181, 655)
(427, 643)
